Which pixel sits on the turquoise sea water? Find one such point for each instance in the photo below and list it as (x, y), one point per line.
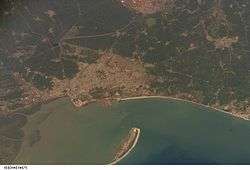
(172, 132)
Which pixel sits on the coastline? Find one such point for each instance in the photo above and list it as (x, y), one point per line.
(87, 102)
(40, 102)
(155, 97)
(130, 149)
(183, 100)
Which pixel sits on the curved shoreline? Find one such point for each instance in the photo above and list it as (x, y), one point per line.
(130, 149)
(183, 100)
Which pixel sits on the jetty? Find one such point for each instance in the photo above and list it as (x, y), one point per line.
(127, 145)
(80, 103)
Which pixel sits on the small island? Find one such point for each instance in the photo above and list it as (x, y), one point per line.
(127, 145)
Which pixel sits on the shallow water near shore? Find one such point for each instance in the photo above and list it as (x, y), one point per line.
(172, 132)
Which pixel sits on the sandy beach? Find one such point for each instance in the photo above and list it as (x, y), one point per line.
(130, 149)
(178, 99)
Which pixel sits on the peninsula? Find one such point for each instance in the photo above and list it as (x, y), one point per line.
(127, 145)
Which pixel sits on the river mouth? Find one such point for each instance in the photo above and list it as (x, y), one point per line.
(173, 132)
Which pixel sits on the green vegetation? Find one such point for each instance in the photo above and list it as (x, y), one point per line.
(98, 93)
(196, 49)
(11, 136)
